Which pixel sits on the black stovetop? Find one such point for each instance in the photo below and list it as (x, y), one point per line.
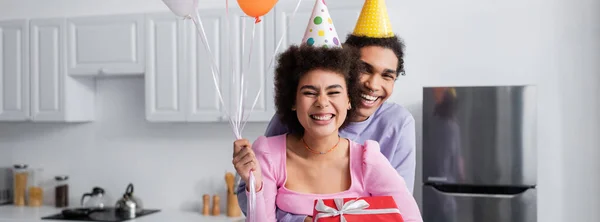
(105, 215)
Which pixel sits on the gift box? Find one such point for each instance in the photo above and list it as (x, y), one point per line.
(364, 209)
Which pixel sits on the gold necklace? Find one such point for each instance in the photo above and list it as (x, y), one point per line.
(317, 152)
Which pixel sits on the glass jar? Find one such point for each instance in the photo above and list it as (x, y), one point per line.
(61, 191)
(35, 191)
(20, 184)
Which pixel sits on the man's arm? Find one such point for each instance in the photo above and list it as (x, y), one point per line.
(274, 128)
(242, 198)
(404, 160)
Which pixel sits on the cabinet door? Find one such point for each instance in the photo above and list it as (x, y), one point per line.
(106, 45)
(14, 70)
(253, 50)
(47, 69)
(205, 105)
(166, 74)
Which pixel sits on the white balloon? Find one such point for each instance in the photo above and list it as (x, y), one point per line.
(182, 7)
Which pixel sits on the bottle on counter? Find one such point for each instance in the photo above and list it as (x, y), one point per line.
(61, 192)
(206, 205)
(35, 191)
(20, 184)
(216, 211)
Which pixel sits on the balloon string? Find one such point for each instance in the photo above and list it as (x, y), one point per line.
(245, 117)
(241, 111)
(270, 64)
(230, 39)
(241, 119)
(252, 198)
(242, 116)
(231, 57)
(240, 97)
(282, 35)
(253, 105)
(214, 69)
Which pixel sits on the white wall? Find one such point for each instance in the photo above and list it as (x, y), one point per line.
(488, 43)
(579, 67)
(553, 44)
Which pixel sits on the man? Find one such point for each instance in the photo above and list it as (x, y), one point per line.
(389, 124)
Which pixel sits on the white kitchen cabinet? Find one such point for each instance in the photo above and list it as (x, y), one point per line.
(226, 45)
(44, 63)
(55, 96)
(203, 100)
(257, 73)
(106, 45)
(166, 73)
(179, 82)
(204, 104)
(14, 70)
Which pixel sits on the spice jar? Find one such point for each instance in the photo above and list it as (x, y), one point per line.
(20, 184)
(35, 191)
(61, 191)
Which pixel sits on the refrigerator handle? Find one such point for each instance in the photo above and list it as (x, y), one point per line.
(506, 196)
(480, 191)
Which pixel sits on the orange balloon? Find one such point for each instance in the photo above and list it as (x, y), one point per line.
(256, 8)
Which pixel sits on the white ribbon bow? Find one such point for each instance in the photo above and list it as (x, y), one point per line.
(351, 207)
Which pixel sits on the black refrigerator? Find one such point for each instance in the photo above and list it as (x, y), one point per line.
(479, 154)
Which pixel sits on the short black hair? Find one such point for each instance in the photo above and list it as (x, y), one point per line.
(393, 43)
(296, 61)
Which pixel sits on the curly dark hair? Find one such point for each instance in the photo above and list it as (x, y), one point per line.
(296, 61)
(394, 43)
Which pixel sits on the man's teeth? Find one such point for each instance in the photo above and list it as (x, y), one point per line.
(322, 117)
(370, 98)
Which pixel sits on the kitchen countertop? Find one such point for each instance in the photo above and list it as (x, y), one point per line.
(35, 214)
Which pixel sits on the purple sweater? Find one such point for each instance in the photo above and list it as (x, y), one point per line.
(391, 125)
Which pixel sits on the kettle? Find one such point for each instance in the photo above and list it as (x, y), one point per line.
(97, 199)
(129, 204)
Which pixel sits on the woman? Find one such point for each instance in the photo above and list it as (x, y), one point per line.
(315, 90)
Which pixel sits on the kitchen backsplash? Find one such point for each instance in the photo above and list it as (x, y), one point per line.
(171, 164)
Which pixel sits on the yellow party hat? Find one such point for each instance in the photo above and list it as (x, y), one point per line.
(374, 21)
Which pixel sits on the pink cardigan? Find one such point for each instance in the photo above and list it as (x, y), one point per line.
(371, 175)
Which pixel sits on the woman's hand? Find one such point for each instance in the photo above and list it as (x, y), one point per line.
(308, 219)
(245, 161)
